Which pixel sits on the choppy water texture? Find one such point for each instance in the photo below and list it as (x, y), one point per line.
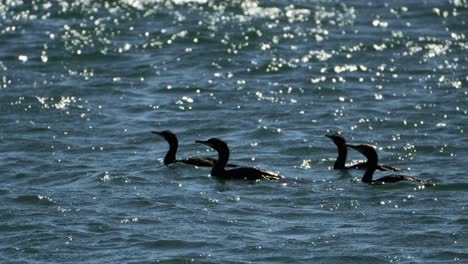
(82, 84)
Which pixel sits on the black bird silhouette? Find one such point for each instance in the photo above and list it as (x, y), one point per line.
(340, 143)
(247, 173)
(372, 161)
(170, 157)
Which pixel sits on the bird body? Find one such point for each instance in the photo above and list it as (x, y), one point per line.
(372, 160)
(393, 178)
(247, 173)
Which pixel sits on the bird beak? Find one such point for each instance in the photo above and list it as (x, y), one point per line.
(156, 132)
(328, 136)
(203, 142)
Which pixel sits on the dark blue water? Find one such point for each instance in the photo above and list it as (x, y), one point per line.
(82, 84)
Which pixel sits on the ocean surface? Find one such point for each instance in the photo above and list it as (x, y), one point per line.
(82, 84)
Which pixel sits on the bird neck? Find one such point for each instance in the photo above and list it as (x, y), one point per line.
(223, 157)
(171, 153)
(341, 159)
(371, 167)
(367, 178)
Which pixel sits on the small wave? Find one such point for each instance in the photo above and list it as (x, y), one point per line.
(128, 179)
(176, 244)
(100, 227)
(451, 187)
(445, 255)
(139, 202)
(34, 199)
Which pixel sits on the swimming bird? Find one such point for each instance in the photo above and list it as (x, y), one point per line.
(247, 173)
(340, 143)
(170, 157)
(372, 161)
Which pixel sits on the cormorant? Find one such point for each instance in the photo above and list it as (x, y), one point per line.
(372, 160)
(170, 157)
(340, 143)
(247, 173)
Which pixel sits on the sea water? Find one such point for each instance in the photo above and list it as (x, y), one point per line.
(82, 84)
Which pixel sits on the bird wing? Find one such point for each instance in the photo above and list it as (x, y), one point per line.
(382, 167)
(394, 178)
(200, 162)
(250, 173)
